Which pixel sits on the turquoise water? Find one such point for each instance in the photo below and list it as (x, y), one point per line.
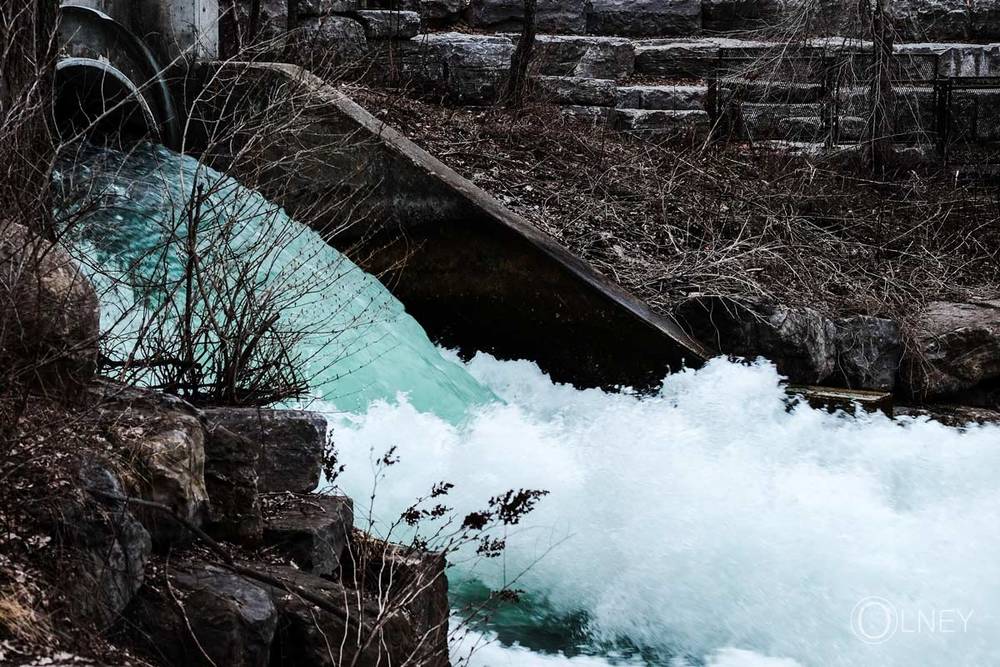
(708, 524)
(357, 342)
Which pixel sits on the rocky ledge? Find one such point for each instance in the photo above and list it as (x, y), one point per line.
(213, 548)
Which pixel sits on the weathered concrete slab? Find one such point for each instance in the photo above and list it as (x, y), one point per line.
(476, 275)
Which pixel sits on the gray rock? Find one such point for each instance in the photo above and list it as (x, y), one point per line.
(50, 313)
(315, 8)
(956, 348)
(575, 90)
(869, 352)
(663, 97)
(232, 619)
(292, 444)
(692, 124)
(235, 26)
(443, 12)
(677, 58)
(388, 24)
(596, 116)
(553, 16)
(724, 15)
(108, 549)
(165, 439)
(798, 340)
(591, 57)
(231, 480)
(638, 18)
(312, 531)
(370, 632)
(467, 68)
(330, 41)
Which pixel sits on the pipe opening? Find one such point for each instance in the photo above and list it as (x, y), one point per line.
(96, 101)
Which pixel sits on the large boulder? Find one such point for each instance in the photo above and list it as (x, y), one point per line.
(552, 16)
(798, 340)
(165, 440)
(468, 69)
(231, 480)
(442, 12)
(956, 349)
(198, 614)
(291, 444)
(582, 56)
(49, 313)
(106, 548)
(805, 345)
(574, 90)
(368, 632)
(312, 531)
(237, 30)
(388, 24)
(869, 351)
(323, 42)
(638, 18)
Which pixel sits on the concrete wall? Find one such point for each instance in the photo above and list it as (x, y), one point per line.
(476, 275)
(170, 27)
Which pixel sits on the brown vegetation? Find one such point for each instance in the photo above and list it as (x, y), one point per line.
(667, 221)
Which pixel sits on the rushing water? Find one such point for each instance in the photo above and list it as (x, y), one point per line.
(709, 524)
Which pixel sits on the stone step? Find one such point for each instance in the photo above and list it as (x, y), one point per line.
(715, 56)
(575, 90)
(659, 122)
(310, 530)
(582, 56)
(381, 24)
(665, 97)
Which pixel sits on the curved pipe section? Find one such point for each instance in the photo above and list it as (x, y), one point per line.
(99, 56)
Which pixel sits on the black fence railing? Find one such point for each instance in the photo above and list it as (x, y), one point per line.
(813, 95)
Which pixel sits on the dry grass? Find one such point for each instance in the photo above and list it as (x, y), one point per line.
(667, 221)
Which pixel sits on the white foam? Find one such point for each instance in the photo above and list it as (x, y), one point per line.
(710, 517)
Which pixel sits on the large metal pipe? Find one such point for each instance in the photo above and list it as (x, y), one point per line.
(101, 58)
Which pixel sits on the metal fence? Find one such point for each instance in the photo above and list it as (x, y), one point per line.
(810, 94)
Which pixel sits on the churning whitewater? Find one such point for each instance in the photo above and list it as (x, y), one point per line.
(710, 524)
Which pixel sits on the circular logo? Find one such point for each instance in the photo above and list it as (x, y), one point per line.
(874, 620)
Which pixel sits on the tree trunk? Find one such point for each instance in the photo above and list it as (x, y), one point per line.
(880, 126)
(518, 82)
